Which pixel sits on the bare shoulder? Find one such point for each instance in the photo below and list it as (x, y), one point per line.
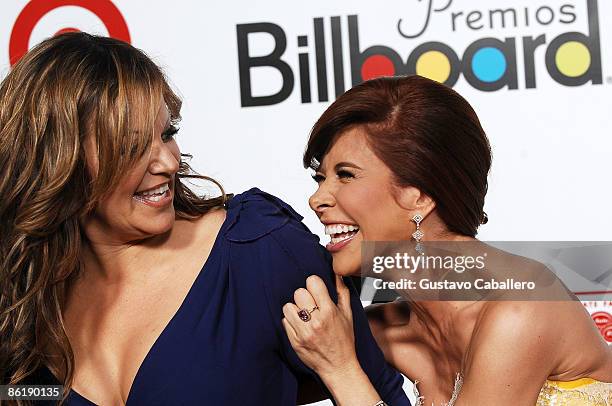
(203, 227)
(556, 338)
(510, 333)
(505, 323)
(213, 218)
(510, 355)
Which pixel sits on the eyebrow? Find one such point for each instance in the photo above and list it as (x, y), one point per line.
(337, 166)
(344, 164)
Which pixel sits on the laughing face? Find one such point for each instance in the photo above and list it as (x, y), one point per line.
(356, 200)
(141, 204)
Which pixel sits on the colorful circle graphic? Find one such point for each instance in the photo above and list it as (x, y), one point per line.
(434, 65)
(37, 9)
(573, 59)
(489, 64)
(376, 66)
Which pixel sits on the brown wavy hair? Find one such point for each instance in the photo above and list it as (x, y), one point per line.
(66, 88)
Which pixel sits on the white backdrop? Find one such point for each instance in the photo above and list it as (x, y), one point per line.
(551, 142)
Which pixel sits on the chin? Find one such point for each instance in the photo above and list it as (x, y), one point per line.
(161, 224)
(346, 265)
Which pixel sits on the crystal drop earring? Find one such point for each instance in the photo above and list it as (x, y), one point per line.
(418, 234)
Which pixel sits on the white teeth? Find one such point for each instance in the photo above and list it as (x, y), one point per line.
(332, 229)
(159, 191)
(151, 198)
(341, 232)
(335, 240)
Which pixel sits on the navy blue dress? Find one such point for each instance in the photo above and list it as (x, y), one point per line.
(226, 344)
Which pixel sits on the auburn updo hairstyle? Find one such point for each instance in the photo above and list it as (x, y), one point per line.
(426, 133)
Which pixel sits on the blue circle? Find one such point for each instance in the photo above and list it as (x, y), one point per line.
(489, 64)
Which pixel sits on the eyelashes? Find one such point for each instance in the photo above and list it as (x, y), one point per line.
(341, 174)
(317, 177)
(169, 133)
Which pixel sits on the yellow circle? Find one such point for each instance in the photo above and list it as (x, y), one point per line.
(434, 65)
(573, 59)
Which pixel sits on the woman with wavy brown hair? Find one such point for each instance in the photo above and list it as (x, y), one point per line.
(116, 280)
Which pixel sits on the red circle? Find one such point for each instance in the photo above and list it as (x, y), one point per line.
(68, 29)
(36, 9)
(607, 333)
(602, 319)
(376, 66)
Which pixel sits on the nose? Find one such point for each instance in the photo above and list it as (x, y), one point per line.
(321, 200)
(164, 159)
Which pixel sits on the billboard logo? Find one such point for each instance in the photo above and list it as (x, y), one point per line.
(487, 64)
(37, 9)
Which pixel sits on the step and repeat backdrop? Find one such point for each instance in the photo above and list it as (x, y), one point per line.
(255, 76)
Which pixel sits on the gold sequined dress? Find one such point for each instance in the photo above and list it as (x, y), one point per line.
(581, 392)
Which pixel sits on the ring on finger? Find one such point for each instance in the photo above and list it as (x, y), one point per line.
(304, 314)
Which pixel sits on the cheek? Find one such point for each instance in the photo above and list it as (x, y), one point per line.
(356, 200)
(114, 208)
(370, 205)
(119, 202)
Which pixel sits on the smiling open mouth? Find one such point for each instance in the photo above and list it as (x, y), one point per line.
(153, 196)
(341, 235)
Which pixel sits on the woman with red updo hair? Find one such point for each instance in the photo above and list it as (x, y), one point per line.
(405, 158)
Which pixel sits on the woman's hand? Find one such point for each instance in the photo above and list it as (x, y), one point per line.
(321, 333)
(326, 342)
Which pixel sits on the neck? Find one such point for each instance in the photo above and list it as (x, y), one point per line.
(116, 260)
(437, 231)
(446, 327)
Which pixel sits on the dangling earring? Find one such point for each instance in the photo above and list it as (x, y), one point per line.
(418, 234)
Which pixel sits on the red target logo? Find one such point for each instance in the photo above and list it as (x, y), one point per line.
(607, 333)
(37, 9)
(603, 321)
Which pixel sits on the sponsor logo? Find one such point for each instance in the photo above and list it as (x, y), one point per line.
(603, 321)
(37, 9)
(487, 64)
(602, 317)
